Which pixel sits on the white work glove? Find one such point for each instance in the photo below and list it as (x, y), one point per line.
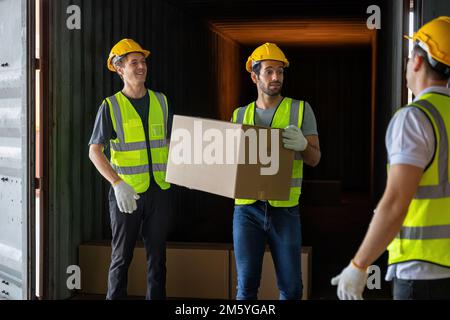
(351, 283)
(125, 197)
(294, 139)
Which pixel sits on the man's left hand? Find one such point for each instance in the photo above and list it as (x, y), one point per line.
(294, 139)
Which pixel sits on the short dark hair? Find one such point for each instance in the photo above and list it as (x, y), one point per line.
(256, 68)
(431, 72)
(119, 60)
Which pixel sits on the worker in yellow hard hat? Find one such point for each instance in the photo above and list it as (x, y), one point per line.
(123, 48)
(413, 217)
(277, 223)
(135, 123)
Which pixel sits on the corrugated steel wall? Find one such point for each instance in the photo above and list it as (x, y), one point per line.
(13, 149)
(187, 64)
(228, 64)
(434, 8)
(79, 81)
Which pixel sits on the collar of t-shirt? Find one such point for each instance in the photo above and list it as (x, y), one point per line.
(436, 89)
(263, 117)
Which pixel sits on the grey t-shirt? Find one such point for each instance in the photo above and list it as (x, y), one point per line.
(263, 117)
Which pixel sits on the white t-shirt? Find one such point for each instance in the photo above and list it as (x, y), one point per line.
(410, 140)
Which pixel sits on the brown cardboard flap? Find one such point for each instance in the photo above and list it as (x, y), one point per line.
(251, 184)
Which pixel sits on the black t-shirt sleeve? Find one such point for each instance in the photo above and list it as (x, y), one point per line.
(103, 129)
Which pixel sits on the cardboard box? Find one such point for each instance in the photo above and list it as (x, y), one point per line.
(200, 271)
(229, 159)
(194, 271)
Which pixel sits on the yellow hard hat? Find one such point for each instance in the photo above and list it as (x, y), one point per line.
(123, 47)
(267, 51)
(434, 38)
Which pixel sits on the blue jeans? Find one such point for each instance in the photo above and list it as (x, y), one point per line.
(255, 225)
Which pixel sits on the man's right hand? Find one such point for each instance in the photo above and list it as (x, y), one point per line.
(350, 283)
(125, 197)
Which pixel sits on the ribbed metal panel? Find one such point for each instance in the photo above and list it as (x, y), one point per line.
(226, 67)
(202, 74)
(13, 149)
(80, 81)
(434, 8)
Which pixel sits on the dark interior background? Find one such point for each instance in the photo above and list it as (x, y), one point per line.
(335, 81)
(187, 64)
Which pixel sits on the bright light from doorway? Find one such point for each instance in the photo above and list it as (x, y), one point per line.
(38, 249)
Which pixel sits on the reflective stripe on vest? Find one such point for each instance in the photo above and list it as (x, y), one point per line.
(161, 167)
(441, 190)
(425, 234)
(296, 108)
(129, 157)
(131, 170)
(422, 233)
(131, 146)
(118, 117)
(296, 182)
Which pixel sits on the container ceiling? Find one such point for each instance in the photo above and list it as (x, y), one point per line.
(299, 32)
(286, 22)
(211, 9)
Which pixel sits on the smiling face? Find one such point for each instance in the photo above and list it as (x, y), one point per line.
(270, 77)
(133, 68)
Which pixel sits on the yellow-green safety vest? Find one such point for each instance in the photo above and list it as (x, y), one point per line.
(129, 156)
(289, 112)
(425, 234)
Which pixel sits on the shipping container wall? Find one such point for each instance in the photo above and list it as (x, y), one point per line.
(80, 81)
(13, 150)
(227, 65)
(201, 72)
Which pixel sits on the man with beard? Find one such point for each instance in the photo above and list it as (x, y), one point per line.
(276, 223)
